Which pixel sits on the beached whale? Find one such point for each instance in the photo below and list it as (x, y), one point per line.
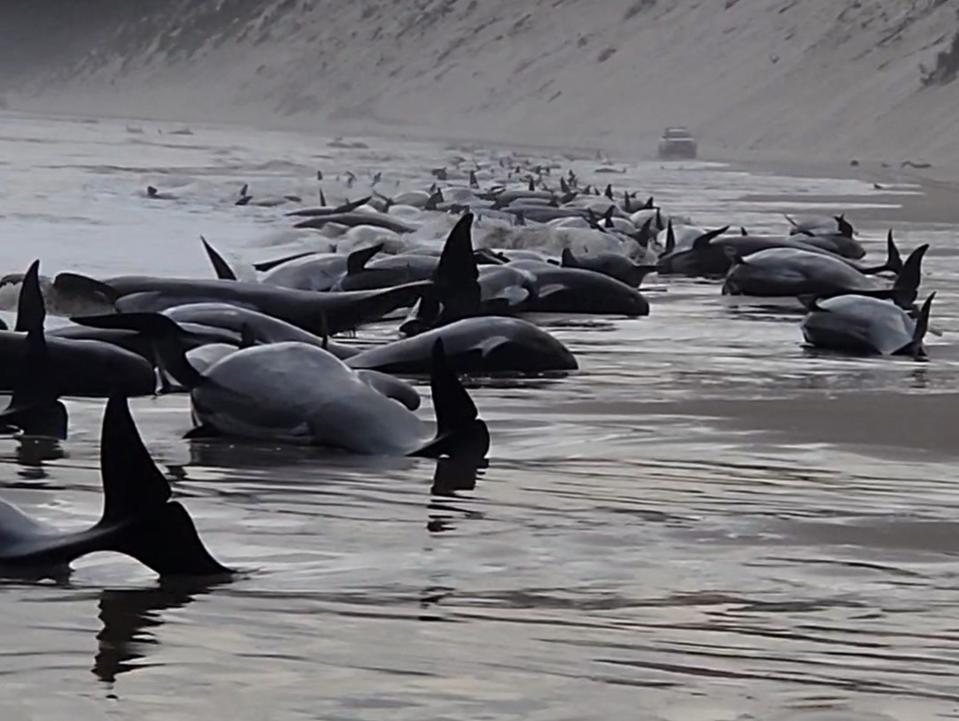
(298, 393)
(138, 520)
(864, 325)
(475, 346)
(74, 367)
(793, 272)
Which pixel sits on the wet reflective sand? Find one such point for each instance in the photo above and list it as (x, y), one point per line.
(707, 521)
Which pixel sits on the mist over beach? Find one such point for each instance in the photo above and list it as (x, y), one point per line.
(802, 79)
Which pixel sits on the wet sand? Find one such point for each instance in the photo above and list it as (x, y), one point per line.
(881, 424)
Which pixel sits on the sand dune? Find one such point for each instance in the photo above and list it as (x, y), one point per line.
(783, 77)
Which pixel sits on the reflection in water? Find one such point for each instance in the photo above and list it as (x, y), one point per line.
(127, 616)
(647, 525)
(32, 451)
(450, 478)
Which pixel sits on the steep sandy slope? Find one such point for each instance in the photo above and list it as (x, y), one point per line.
(816, 78)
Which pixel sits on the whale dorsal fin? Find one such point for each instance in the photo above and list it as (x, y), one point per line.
(608, 217)
(167, 337)
(435, 198)
(131, 480)
(34, 407)
(568, 260)
(670, 237)
(702, 242)
(143, 522)
(922, 327)
(31, 311)
(845, 227)
(351, 205)
(456, 278)
(271, 264)
(893, 257)
(459, 431)
(357, 260)
(220, 266)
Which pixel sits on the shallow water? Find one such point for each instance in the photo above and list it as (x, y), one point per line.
(706, 522)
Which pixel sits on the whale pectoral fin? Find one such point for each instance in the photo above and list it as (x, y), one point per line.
(489, 345)
(550, 289)
(506, 299)
(85, 286)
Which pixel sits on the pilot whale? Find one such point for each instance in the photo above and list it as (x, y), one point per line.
(74, 367)
(473, 345)
(138, 519)
(298, 393)
(311, 311)
(864, 325)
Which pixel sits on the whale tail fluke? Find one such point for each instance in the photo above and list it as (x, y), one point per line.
(568, 260)
(460, 433)
(906, 288)
(139, 519)
(893, 259)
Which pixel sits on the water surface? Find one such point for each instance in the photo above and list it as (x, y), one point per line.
(706, 522)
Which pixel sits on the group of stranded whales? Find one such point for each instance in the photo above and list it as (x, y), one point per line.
(461, 273)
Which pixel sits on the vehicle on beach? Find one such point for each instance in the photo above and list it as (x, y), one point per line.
(677, 142)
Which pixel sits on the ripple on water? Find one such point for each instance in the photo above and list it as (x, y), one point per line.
(706, 521)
